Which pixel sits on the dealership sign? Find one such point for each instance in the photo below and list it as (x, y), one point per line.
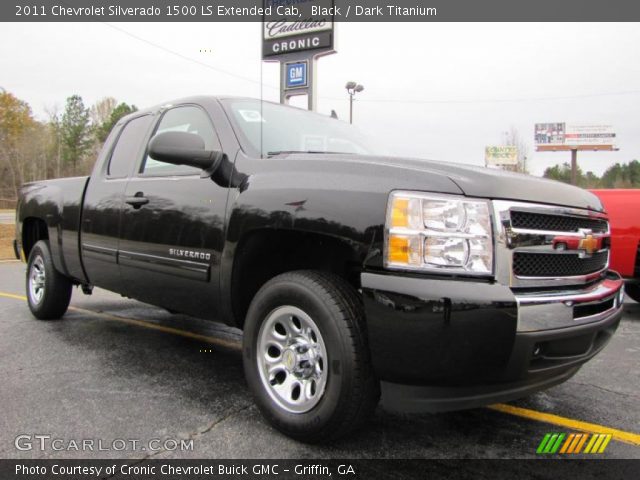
(574, 136)
(283, 35)
(296, 75)
(501, 155)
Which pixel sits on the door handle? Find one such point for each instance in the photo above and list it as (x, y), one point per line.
(137, 200)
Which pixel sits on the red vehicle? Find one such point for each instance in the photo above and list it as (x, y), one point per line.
(623, 207)
(566, 243)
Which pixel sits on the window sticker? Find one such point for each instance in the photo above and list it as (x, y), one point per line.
(314, 143)
(251, 116)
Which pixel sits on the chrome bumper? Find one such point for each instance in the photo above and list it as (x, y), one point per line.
(571, 306)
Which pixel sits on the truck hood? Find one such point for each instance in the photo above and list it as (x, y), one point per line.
(484, 182)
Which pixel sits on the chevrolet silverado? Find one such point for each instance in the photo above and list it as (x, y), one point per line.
(353, 276)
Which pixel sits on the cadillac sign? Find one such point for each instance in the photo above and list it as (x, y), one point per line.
(282, 35)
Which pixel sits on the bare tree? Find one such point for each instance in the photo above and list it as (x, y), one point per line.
(512, 137)
(100, 112)
(54, 140)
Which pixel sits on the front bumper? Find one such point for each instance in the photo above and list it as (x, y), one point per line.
(442, 344)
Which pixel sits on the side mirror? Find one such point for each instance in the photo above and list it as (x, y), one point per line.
(182, 148)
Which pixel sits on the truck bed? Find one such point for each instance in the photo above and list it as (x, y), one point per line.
(59, 202)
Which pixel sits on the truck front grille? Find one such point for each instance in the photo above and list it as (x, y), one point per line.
(526, 264)
(556, 223)
(546, 245)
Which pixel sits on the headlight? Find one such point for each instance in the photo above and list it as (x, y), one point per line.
(442, 233)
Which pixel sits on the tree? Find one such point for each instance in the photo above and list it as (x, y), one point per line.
(561, 173)
(75, 131)
(16, 125)
(513, 138)
(622, 176)
(101, 110)
(591, 180)
(626, 175)
(54, 142)
(119, 111)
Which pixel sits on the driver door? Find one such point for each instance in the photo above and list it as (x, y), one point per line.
(172, 226)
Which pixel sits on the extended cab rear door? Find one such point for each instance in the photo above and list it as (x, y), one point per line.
(104, 199)
(172, 225)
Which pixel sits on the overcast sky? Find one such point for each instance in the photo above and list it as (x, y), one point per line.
(432, 90)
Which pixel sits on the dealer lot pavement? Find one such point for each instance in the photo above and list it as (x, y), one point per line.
(104, 373)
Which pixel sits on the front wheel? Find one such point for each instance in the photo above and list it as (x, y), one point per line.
(633, 290)
(48, 291)
(306, 357)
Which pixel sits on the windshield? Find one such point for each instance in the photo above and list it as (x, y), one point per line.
(266, 128)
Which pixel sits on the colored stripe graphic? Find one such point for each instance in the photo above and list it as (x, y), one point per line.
(556, 445)
(605, 443)
(594, 437)
(550, 443)
(598, 443)
(543, 443)
(572, 443)
(580, 444)
(570, 439)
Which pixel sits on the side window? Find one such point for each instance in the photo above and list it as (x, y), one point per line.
(189, 119)
(127, 148)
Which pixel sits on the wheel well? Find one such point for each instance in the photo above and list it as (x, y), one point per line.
(33, 230)
(264, 254)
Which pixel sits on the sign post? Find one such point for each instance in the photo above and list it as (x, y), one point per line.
(553, 137)
(297, 45)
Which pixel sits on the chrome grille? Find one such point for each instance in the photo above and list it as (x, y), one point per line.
(544, 245)
(555, 223)
(526, 264)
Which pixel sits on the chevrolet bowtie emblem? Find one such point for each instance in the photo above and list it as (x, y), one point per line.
(589, 244)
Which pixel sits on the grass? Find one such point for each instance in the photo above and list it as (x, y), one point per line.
(7, 234)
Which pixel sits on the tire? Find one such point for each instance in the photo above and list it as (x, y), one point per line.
(633, 290)
(48, 291)
(337, 391)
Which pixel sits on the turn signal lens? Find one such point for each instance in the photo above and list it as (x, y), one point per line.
(399, 249)
(404, 249)
(405, 213)
(400, 213)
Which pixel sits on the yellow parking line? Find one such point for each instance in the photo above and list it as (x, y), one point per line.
(619, 435)
(141, 323)
(161, 328)
(11, 295)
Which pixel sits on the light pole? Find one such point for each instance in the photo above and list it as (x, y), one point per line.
(352, 89)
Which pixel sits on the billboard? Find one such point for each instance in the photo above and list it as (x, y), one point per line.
(574, 136)
(501, 155)
(312, 28)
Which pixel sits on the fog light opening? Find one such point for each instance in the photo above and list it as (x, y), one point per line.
(537, 350)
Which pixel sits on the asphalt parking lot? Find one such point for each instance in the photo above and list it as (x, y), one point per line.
(116, 368)
(7, 216)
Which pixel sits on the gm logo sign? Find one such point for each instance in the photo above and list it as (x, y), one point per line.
(296, 75)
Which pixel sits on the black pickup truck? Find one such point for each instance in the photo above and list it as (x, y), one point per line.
(353, 275)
